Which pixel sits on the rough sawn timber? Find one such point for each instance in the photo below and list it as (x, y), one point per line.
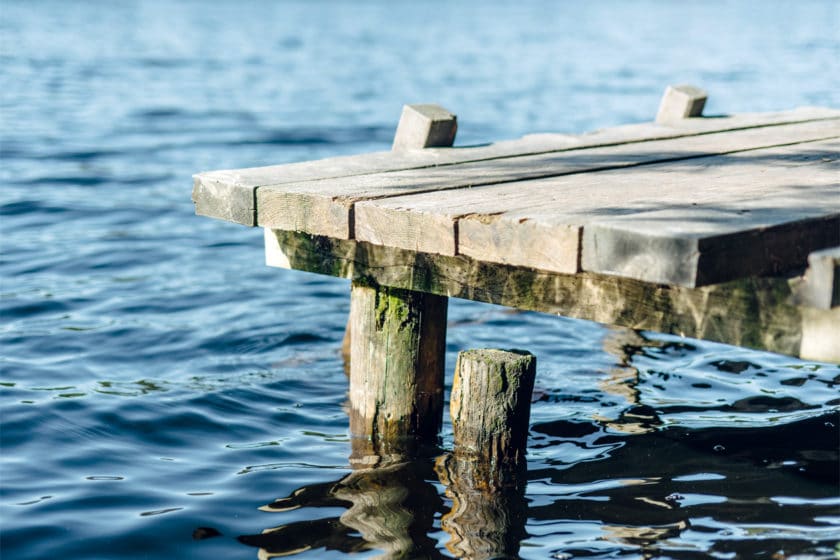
(689, 222)
(752, 312)
(346, 207)
(232, 194)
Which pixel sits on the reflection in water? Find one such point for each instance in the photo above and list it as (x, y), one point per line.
(488, 514)
(622, 382)
(753, 469)
(391, 506)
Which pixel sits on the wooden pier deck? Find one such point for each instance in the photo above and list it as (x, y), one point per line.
(725, 229)
(718, 228)
(698, 226)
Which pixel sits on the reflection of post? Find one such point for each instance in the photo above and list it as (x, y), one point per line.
(488, 514)
(393, 509)
(391, 506)
(485, 475)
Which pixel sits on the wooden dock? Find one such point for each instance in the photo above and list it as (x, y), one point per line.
(719, 228)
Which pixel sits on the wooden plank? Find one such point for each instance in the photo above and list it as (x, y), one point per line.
(329, 207)
(685, 218)
(753, 312)
(541, 224)
(231, 194)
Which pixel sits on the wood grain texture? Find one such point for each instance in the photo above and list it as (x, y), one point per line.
(397, 352)
(232, 194)
(428, 223)
(658, 216)
(491, 404)
(753, 312)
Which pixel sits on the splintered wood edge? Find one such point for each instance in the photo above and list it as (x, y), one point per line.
(755, 313)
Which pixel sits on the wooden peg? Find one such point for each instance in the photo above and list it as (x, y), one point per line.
(681, 102)
(425, 126)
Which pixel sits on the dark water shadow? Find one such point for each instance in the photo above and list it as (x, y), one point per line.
(390, 507)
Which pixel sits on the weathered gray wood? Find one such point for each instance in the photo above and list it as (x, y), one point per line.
(397, 352)
(753, 312)
(484, 476)
(379, 207)
(491, 404)
(696, 248)
(231, 194)
(820, 287)
(421, 126)
(680, 102)
(425, 126)
(541, 224)
(488, 514)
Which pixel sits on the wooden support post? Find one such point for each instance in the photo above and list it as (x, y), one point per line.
(420, 126)
(396, 366)
(681, 102)
(485, 474)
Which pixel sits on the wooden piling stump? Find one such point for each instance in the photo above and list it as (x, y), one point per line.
(681, 102)
(396, 365)
(491, 403)
(485, 474)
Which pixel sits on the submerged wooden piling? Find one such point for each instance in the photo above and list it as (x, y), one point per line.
(491, 403)
(396, 365)
(485, 474)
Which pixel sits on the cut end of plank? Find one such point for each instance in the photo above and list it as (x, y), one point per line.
(425, 126)
(390, 225)
(224, 201)
(681, 102)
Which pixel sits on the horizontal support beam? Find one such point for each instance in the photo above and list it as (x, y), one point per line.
(754, 312)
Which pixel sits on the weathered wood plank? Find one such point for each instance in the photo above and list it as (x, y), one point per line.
(753, 312)
(359, 207)
(231, 194)
(542, 224)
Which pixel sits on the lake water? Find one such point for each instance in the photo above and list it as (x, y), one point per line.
(158, 384)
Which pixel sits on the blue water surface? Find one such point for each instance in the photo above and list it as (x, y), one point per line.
(158, 384)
